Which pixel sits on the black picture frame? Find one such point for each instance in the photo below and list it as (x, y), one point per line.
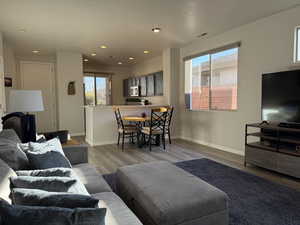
(8, 81)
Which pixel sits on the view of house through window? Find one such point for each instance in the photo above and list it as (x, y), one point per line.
(97, 90)
(211, 81)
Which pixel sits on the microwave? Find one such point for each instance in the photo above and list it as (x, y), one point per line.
(134, 91)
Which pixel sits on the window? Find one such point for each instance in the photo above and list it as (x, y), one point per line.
(297, 45)
(97, 89)
(89, 90)
(211, 79)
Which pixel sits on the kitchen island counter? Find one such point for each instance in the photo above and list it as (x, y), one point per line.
(101, 126)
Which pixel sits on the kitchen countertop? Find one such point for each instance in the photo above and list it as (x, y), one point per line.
(126, 106)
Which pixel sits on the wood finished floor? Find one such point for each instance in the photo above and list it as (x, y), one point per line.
(107, 158)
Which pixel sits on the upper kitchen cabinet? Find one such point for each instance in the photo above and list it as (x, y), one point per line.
(159, 84)
(126, 88)
(150, 85)
(135, 81)
(143, 86)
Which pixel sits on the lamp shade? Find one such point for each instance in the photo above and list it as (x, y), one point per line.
(25, 101)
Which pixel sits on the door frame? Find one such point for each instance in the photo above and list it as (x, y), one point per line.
(52, 86)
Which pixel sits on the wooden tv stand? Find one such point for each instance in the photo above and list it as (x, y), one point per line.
(275, 148)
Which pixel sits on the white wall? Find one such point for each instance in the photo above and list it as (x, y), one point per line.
(2, 93)
(149, 66)
(10, 67)
(70, 107)
(171, 86)
(267, 46)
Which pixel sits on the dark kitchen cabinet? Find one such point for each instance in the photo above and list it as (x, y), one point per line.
(131, 82)
(158, 84)
(143, 86)
(126, 88)
(137, 81)
(150, 85)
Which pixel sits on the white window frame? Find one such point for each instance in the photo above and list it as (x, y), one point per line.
(237, 82)
(296, 44)
(103, 75)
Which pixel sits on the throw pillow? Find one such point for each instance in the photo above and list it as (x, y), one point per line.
(11, 153)
(53, 172)
(56, 184)
(47, 160)
(40, 138)
(33, 215)
(35, 197)
(5, 173)
(51, 145)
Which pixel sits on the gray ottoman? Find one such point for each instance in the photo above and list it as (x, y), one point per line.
(162, 194)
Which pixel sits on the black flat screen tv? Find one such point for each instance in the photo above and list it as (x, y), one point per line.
(281, 97)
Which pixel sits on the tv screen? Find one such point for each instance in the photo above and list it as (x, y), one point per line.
(281, 96)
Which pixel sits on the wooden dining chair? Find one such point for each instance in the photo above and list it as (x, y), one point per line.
(168, 122)
(124, 130)
(156, 126)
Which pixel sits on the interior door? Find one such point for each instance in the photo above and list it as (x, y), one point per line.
(40, 76)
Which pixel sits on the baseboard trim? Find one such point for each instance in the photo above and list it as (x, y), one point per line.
(105, 143)
(77, 134)
(175, 137)
(91, 143)
(220, 147)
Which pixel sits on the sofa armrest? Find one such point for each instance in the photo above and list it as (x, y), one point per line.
(76, 153)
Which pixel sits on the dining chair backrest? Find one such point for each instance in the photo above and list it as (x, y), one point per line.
(169, 116)
(118, 118)
(158, 119)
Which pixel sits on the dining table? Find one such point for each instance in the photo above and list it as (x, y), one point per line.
(137, 119)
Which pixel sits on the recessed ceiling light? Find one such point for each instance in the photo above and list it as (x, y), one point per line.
(156, 29)
(35, 51)
(120, 63)
(93, 54)
(86, 60)
(131, 58)
(146, 52)
(103, 46)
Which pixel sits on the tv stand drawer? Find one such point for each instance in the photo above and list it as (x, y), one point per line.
(259, 157)
(289, 165)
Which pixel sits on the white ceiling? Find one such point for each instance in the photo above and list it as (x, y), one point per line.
(123, 25)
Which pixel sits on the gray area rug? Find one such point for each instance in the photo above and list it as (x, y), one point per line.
(253, 200)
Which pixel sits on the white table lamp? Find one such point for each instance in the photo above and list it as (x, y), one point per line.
(25, 101)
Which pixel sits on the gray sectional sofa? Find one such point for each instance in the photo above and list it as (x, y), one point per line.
(117, 211)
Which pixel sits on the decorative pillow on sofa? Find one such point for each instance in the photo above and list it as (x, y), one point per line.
(47, 160)
(5, 173)
(33, 215)
(56, 184)
(12, 154)
(51, 145)
(34, 197)
(52, 172)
